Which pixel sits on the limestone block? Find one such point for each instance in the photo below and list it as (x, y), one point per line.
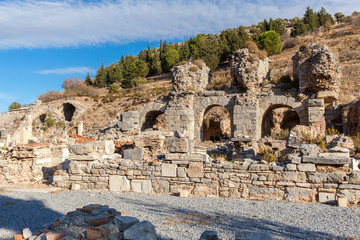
(259, 193)
(81, 149)
(146, 186)
(306, 167)
(326, 177)
(181, 173)
(326, 198)
(183, 193)
(82, 158)
(136, 186)
(141, 231)
(300, 195)
(309, 149)
(168, 170)
(134, 154)
(293, 176)
(354, 178)
(291, 167)
(195, 170)
(206, 190)
(316, 102)
(125, 222)
(326, 161)
(342, 202)
(119, 183)
(75, 187)
(177, 145)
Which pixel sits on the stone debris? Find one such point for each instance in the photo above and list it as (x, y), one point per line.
(93, 222)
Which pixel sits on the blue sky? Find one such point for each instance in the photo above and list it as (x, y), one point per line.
(44, 42)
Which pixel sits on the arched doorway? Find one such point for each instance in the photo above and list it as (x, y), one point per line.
(216, 123)
(154, 120)
(278, 120)
(69, 111)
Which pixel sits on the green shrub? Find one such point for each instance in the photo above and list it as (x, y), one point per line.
(267, 154)
(49, 121)
(271, 42)
(114, 88)
(14, 105)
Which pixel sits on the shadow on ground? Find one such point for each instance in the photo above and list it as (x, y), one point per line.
(17, 214)
(228, 222)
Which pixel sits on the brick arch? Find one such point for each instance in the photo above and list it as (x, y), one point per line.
(206, 103)
(268, 104)
(151, 107)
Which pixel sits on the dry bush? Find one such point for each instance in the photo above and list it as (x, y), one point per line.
(291, 42)
(199, 63)
(50, 96)
(355, 20)
(193, 69)
(251, 46)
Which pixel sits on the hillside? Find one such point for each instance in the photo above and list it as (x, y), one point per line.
(343, 39)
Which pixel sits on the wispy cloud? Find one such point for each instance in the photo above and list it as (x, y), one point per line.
(72, 23)
(67, 70)
(6, 97)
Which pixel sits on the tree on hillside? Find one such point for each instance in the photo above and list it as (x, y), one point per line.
(311, 18)
(340, 17)
(270, 41)
(88, 80)
(139, 68)
(231, 40)
(100, 79)
(299, 28)
(14, 105)
(206, 47)
(184, 52)
(325, 17)
(154, 63)
(170, 58)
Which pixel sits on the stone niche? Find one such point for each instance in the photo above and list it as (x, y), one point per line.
(316, 70)
(248, 69)
(190, 77)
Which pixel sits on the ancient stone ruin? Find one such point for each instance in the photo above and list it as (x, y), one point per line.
(164, 147)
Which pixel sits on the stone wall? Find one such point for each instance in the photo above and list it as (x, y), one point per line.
(302, 179)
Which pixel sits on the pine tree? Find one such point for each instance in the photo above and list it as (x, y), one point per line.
(88, 80)
(311, 19)
(100, 79)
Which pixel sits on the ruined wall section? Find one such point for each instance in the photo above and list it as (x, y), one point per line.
(301, 180)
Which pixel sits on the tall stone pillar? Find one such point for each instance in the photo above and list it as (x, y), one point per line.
(316, 115)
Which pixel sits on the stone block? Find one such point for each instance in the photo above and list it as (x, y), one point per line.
(119, 183)
(326, 198)
(177, 145)
(354, 178)
(316, 103)
(300, 195)
(125, 222)
(181, 173)
(291, 167)
(195, 170)
(183, 193)
(168, 170)
(342, 202)
(146, 186)
(141, 231)
(259, 193)
(134, 154)
(75, 187)
(136, 186)
(326, 161)
(306, 167)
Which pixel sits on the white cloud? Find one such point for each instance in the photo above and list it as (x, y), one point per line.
(6, 97)
(67, 70)
(71, 23)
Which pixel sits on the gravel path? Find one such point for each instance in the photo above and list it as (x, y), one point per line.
(185, 218)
